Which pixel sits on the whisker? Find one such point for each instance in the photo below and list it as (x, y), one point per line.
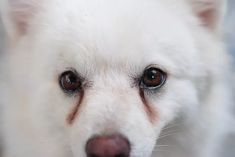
(167, 135)
(172, 126)
(170, 131)
(157, 146)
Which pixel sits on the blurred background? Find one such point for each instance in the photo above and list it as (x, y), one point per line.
(229, 34)
(229, 27)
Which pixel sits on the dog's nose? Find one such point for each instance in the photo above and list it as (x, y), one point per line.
(108, 146)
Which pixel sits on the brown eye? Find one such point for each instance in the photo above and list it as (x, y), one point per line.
(153, 78)
(70, 82)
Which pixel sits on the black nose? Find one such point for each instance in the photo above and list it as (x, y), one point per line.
(108, 146)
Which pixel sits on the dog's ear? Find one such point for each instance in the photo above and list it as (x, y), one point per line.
(16, 15)
(210, 12)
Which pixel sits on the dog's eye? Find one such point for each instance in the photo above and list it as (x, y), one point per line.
(153, 78)
(70, 82)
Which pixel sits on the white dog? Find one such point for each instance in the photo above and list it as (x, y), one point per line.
(114, 78)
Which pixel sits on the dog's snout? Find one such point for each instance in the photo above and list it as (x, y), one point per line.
(108, 146)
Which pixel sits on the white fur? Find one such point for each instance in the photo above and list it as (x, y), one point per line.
(109, 42)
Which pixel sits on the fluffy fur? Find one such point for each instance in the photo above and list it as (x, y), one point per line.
(111, 42)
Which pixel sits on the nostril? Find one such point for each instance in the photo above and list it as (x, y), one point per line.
(108, 146)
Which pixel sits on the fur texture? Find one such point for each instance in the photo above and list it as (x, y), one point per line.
(110, 43)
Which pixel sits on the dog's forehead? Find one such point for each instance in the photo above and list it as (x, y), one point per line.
(114, 25)
(112, 33)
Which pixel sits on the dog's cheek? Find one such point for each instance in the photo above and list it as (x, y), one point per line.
(179, 95)
(142, 127)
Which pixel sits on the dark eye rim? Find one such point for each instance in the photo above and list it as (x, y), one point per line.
(143, 86)
(70, 92)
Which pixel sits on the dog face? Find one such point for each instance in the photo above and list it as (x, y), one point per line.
(102, 71)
